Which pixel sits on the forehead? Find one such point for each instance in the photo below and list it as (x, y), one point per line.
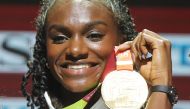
(83, 3)
(79, 6)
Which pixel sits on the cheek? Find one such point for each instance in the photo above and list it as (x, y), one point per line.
(53, 52)
(104, 48)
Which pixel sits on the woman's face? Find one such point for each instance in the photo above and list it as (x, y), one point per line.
(80, 37)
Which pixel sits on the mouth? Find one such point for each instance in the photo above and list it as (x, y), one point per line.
(79, 70)
(78, 66)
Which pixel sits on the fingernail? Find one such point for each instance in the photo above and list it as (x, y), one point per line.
(143, 56)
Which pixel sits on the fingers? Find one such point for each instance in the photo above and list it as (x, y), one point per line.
(124, 46)
(136, 55)
(141, 46)
(144, 43)
(137, 46)
(161, 57)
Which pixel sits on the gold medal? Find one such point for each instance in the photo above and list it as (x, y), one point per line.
(124, 88)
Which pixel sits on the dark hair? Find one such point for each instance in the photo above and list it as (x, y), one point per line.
(38, 68)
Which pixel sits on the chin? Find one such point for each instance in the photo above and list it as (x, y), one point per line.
(77, 87)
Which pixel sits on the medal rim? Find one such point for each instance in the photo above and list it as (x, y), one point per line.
(105, 92)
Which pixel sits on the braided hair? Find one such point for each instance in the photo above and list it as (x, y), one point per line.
(39, 73)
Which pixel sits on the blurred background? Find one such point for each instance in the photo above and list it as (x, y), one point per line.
(170, 18)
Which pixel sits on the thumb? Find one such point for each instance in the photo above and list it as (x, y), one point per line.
(124, 46)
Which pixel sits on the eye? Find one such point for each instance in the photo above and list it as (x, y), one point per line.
(59, 39)
(95, 36)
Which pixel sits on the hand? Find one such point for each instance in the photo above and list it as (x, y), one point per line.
(157, 70)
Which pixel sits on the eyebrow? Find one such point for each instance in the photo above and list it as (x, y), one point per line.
(87, 26)
(92, 24)
(97, 22)
(58, 27)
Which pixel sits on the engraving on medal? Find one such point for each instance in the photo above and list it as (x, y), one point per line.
(124, 90)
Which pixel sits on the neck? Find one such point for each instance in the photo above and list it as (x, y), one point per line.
(62, 97)
(66, 97)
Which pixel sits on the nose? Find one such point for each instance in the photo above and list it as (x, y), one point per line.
(77, 49)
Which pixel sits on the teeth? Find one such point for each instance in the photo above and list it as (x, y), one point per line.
(78, 66)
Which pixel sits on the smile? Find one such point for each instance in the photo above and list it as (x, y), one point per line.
(78, 66)
(79, 69)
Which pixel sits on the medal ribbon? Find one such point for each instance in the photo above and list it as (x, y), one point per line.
(118, 61)
(124, 60)
(82, 102)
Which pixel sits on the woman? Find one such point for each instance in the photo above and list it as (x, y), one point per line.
(74, 40)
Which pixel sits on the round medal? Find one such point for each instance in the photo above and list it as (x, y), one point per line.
(124, 90)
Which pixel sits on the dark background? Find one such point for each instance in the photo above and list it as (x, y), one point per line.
(176, 3)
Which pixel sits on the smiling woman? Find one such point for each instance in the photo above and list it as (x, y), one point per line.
(73, 43)
(78, 42)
